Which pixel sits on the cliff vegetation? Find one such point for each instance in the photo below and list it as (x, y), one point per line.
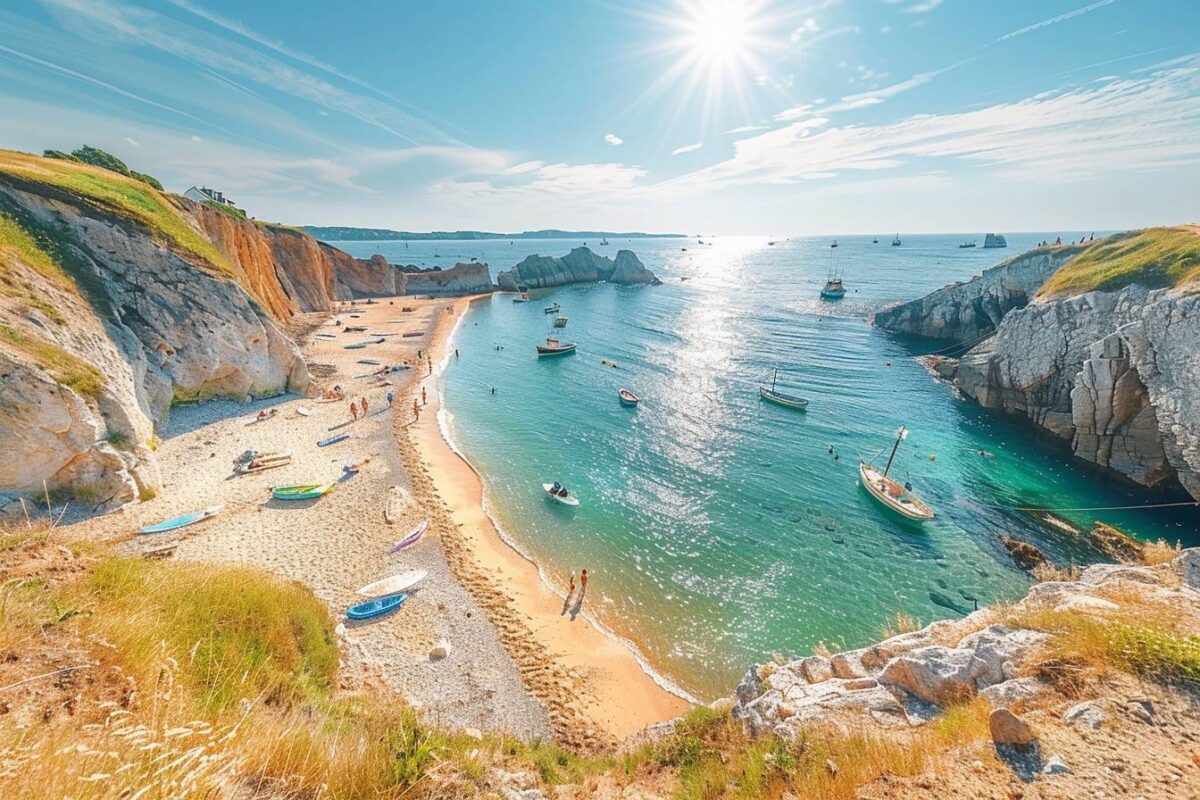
(1155, 258)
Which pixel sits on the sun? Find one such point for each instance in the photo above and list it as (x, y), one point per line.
(717, 34)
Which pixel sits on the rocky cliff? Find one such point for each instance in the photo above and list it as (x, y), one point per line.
(117, 301)
(463, 278)
(581, 265)
(966, 311)
(1113, 372)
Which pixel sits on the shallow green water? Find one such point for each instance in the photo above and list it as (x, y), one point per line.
(719, 529)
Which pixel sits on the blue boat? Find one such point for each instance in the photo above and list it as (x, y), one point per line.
(179, 522)
(375, 608)
(333, 440)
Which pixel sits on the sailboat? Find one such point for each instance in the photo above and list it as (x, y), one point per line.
(887, 491)
(896, 241)
(779, 398)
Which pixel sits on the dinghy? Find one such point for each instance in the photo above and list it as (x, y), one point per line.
(521, 298)
(341, 437)
(411, 334)
(395, 584)
(553, 347)
(304, 411)
(355, 346)
(355, 329)
(554, 309)
(889, 492)
(552, 491)
(411, 538)
(309, 491)
(185, 520)
(375, 608)
(370, 362)
(779, 398)
(326, 335)
(628, 398)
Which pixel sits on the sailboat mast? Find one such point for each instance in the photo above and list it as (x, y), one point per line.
(895, 447)
(774, 378)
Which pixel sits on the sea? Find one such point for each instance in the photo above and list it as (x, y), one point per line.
(720, 530)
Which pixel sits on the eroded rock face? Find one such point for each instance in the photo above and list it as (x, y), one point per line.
(463, 278)
(157, 327)
(965, 311)
(581, 265)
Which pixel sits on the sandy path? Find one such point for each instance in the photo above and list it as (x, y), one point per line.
(340, 542)
(602, 680)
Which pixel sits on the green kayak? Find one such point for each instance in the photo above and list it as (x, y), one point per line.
(309, 492)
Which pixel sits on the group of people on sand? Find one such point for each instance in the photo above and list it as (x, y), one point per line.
(336, 393)
(583, 582)
(355, 409)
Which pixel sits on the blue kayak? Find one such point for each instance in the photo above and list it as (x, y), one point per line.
(179, 522)
(375, 608)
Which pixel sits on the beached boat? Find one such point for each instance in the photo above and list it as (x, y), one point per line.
(326, 335)
(395, 584)
(411, 334)
(554, 309)
(355, 329)
(888, 491)
(779, 398)
(397, 501)
(309, 491)
(370, 362)
(264, 463)
(183, 521)
(560, 321)
(355, 346)
(376, 608)
(341, 437)
(411, 537)
(628, 398)
(554, 494)
(553, 347)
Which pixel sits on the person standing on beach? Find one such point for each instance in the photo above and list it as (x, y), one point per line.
(429, 363)
(583, 578)
(390, 398)
(416, 409)
(571, 587)
(423, 400)
(364, 406)
(354, 410)
(456, 352)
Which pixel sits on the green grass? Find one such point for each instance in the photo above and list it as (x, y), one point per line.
(1154, 257)
(118, 195)
(17, 242)
(225, 208)
(69, 370)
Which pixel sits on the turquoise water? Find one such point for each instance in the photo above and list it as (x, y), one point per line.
(719, 529)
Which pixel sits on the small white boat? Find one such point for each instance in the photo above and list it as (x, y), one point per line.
(554, 309)
(553, 347)
(779, 398)
(565, 499)
(628, 398)
(889, 492)
(523, 297)
(396, 584)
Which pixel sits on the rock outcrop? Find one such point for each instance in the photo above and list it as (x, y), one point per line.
(461, 279)
(964, 312)
(581, 265)
(1114, 373)
(111, 312)
(907, 680)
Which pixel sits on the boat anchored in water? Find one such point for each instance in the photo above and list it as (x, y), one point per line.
(779, 398)
(896, 241)
(523, 297)
(965, 245)
(628, 398)
(557, 492)
(553, 347)
(833, 290)
(553, 309)
(560, 321)
(888, 491)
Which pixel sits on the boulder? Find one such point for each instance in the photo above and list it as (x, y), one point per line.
(1007, 728)
(815, 669)
(1012, 692)
(1000, 649)
(1187, 564)
(875, 656)
(1026, 556)
(1088, 714)
(1099, 574)
(847, 664)
(936, 674)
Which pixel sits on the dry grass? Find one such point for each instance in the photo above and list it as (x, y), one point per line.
(1047, 572)
(116, 194)
(899, 624)
(1160, 552)
(1154, 257)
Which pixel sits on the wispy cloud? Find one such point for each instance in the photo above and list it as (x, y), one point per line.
(746, 129)
(687, 148)
(613, 139)
(859, 100)
(923, 7)
(1132, 124)
(1055, 20)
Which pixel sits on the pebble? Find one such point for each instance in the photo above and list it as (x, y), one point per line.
(1007, 728)
(1085, 715)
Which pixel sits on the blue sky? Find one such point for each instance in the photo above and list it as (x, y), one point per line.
(757, 117)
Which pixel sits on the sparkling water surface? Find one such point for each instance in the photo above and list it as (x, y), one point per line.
(720, 529)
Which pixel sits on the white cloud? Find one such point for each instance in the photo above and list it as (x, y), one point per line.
(133, 142)
(1125, 125)
(687, 148)
(746, 129)
(1055, 20)
(923, 7)
(613, 139)
(808, 26)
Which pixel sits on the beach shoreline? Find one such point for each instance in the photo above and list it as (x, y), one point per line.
(620, 694)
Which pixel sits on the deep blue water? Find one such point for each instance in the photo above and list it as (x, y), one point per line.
(720, 529)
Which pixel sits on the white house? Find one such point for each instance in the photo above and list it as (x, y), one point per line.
(202, 193)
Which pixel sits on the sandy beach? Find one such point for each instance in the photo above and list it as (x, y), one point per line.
(517, 663)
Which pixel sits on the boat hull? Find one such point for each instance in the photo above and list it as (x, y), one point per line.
(570, 500)
(780, 399)
(628, 398)
(309, 492)
(544, 352)
(396, 584)
(904, 503)
(834, 295)
(411, 538)
(183, 521)
(375, 608)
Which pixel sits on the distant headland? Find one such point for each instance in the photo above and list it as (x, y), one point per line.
(338, 233)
